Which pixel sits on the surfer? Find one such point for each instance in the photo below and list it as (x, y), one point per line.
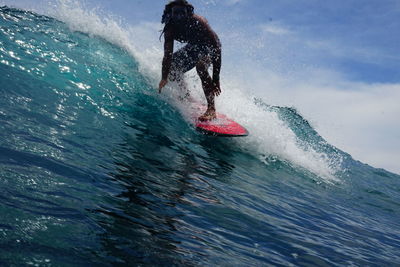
(203, 48)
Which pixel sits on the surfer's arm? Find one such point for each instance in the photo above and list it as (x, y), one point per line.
(216, 64)
(166, 63)
(168, 51)
(215, 44)
(216, 61)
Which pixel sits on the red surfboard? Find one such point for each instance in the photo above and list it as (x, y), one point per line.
(221, 126)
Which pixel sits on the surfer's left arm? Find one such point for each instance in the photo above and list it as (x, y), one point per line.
(215, 45)
(217, 69)
(216, 56)
(216, 62)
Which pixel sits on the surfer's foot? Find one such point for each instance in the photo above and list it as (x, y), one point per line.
(208, 115)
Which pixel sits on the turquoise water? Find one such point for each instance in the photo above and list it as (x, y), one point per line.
(96, 168)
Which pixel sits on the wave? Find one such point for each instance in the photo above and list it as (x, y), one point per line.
(271, 135)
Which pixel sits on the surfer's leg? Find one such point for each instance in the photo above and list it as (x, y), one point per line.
(183, 60)
(206, 82)
(178, 77)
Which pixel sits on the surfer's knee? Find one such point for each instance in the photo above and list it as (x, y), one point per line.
(201, 68)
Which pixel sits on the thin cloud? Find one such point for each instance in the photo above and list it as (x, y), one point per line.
(274, 28)
(234, 2)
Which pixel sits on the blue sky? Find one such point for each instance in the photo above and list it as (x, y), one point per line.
(337, 62)
(359, 38)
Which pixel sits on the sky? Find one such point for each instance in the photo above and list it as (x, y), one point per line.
(336, 62)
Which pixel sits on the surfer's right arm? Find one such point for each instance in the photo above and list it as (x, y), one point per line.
(166, 63)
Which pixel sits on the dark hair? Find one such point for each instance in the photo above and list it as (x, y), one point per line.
(166, 17)
(168, 9)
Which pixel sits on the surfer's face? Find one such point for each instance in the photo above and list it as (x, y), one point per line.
(179, 13)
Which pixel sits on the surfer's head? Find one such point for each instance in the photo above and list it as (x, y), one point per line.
(177, 11)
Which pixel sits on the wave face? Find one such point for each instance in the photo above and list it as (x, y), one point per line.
(97, 169)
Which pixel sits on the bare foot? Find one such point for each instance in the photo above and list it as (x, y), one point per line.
(208, 115)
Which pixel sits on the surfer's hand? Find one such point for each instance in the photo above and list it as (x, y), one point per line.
(217, 88)
(161, 85)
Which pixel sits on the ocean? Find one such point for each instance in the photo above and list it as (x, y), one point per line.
(98, 169)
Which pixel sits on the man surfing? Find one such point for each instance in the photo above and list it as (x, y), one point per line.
(202, 49)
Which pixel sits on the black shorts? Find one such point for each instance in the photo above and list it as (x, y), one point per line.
(188, 56)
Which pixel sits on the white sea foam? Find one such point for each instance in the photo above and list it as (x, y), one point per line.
(269, 136)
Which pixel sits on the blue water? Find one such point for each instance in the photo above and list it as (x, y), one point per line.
(96, 168)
